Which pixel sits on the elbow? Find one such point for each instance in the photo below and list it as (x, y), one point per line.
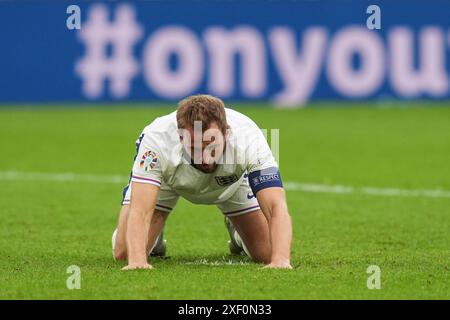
(279, 209)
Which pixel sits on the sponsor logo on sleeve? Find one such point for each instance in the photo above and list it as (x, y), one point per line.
(266, 178)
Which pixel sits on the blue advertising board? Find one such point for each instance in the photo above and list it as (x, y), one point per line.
(286, 52)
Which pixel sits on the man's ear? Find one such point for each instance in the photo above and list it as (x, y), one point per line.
(180, 134)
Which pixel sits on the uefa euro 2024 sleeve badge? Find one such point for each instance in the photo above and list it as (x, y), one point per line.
(148, 160)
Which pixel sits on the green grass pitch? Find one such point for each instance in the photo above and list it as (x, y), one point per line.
(48, 225)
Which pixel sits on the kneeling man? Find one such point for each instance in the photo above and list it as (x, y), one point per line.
(207, 154)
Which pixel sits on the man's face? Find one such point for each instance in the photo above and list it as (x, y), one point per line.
(203, 147)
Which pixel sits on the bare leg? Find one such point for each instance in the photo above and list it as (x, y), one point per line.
(254, 232)
(155, 228)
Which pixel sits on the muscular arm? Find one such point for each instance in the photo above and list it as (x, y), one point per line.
(273, 204)
(142, 206)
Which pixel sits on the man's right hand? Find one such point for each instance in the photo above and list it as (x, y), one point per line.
(137, 266)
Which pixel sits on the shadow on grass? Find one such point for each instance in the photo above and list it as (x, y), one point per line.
(213, 260)
(104, 261)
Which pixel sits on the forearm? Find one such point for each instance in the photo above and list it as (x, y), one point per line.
(281, 234)
(136, 237)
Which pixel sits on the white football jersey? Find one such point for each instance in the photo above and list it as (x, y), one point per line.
(161, 159)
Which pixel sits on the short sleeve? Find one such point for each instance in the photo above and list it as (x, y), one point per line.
(148, 164)
(258, 153)
(261, 167)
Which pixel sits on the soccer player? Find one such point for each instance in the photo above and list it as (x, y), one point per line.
(207, 154)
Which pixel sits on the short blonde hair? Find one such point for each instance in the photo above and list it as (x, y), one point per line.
(204, 108)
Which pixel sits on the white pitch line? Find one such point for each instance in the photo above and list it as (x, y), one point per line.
(290, 186)
(372, 191)
(62, 177)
